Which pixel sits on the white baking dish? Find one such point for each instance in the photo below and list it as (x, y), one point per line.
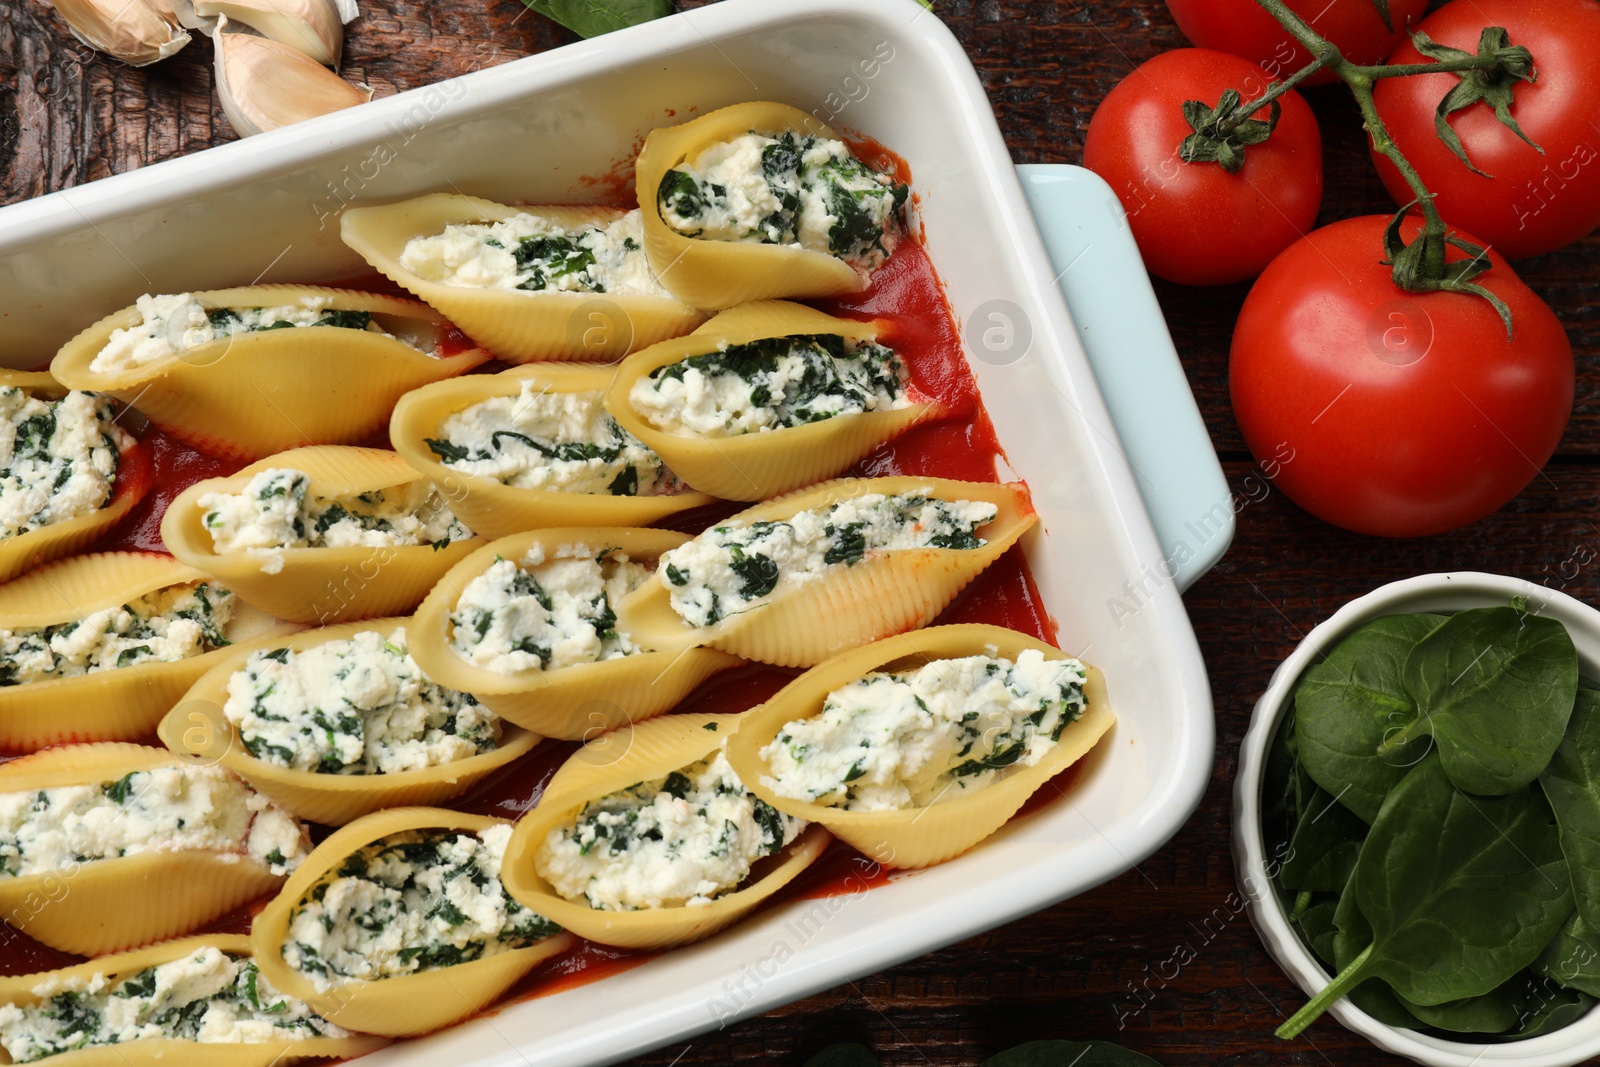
(266, 209)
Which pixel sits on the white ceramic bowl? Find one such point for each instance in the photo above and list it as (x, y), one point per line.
(1442, 593)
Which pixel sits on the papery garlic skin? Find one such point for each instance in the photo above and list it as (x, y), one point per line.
(312, 27)
(263, 84)
(138, 32)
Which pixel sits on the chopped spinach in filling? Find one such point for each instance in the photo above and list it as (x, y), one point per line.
(789, 190)
(161, 627)
(411, 902)
(360, 706)
(58, 458)
(914, 738)
(683, 839)
(770, 384)
(210, 996)
(564, 442)
(732, 568)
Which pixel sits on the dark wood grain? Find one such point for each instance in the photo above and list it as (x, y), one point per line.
(1101, 965)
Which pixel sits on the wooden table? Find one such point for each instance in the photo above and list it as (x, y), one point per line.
(1102, 965)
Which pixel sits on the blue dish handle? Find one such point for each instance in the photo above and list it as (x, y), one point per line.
(1119, 322)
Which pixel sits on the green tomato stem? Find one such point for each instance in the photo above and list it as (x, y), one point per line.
(1343, 983)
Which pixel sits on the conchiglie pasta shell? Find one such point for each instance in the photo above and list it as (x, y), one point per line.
(123, 704)
(573, 703)
(250, 395)
(517, 325)
(33, 382)
(615, 761)
(916, 837)
(492, 508)
(720, 274)
(197, 727)
(106, 905)
(755, 466)
(407, 1004)
(317, 585)
(135, 474)
(173, 1052)
(886, 593)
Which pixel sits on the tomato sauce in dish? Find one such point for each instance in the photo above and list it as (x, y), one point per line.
(961, 443)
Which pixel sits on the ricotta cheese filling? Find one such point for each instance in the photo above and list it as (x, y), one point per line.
(794, 190)
(408, 903)
(276, 511)
(164, 809)
(161, 627)
(172, 324)
(915, 738)
(681, 840)
(544, 614)
(528, 251)
(739, 566)
(58, 458)
(770, 384)
(561, 442)
(361, 706)
(211, 996)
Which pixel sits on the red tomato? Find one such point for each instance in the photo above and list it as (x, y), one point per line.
(1196, 223)
(1388, 412)
(1244, 28)
(1534, 203)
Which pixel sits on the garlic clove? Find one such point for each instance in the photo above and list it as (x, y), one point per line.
(138, 32)
(315, 27)
(263, 84)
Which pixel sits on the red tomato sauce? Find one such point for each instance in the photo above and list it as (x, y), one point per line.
(907, 296)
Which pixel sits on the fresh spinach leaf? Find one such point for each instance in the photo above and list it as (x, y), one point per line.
(1461, 892)
(1496, 1012)
(1546, 1007)
(1494, 687)
(591, 18)
(1070, 1054)
(1324, 847)
(1347, 705)
(1316, 927)
(843, 1055)
(1352, 934)
(1573, 956)
(1572, 784)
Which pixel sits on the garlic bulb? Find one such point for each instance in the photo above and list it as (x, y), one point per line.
(138, 32)
(315, 27)
(264, 84)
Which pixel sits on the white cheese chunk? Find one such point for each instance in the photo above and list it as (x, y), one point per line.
(164, 809)
(561, 442)
(737, 566)
(681, 840)
(915, 738)
(360, 706)
(209, 996)
(161, 627)
(58, 458)
(545, 614)
(531, 252)
(411, 902)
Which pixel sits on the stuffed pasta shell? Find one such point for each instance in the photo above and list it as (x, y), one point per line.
(98, 647)
(247, 372)
(108, 846)
(194, 1002)
(797, 579)
(915, 748)
(398, 923)
(646, 838)
(766, 398)
(761, 200)
(527, 624)
(337, 722)
(68, 472)
(535, 447)
(529, 282)
(320, 534)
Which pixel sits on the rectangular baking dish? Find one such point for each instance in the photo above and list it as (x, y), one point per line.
(541, 130)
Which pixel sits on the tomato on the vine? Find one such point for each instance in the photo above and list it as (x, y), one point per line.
(1244, 28)
(1196, 223)
(1393, 413)
(1534, 202)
